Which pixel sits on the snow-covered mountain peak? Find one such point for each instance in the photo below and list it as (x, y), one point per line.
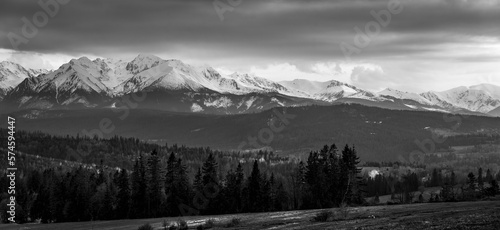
(143, 62)
(259, 83)
(335, 90)
(458, 89)
(336, 86)
(212, 74)
(12, 74)
(77, 74)
(81, 61)
(492, 90)
(404, 95)
(306, 86)
(181, 66)
(9, 64)
(237, 75)
(16, 68)
(144, 56)
(389, 90)
(393, 93)
(329, 90)
(250, 79)
(107, 61)
(470, 98)
(333, 83)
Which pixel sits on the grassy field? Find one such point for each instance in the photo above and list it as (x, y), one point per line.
(461, 215)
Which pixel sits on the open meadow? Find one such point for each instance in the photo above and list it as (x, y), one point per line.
(460, 215)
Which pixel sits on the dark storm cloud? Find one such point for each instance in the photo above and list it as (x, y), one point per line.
(273, 29)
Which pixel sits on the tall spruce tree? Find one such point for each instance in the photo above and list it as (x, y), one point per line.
(182, 182)
(453, 179)
(171, 189)
(333, 175)
(198, 181)
(138, 187)
(298, 185)
(107, 211)
(434, 178)
(123, 196)
(471, 181)
(254, 188)
(233, 190)
(489, 176)
(282, 198)
(209, 170)
(480, 181)
(315, 177)
(494, 189)
(352, 186)
(265, 196)
(211, 184)
(153, 185)
(238, 189)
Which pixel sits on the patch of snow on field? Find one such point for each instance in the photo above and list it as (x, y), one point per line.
(283, 226)
(284, 214)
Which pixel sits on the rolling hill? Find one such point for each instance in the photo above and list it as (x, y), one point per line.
(378, 134)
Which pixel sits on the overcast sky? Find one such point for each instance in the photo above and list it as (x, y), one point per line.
(428, 45)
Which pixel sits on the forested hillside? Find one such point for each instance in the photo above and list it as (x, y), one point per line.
(60, 191)
(379, 134)
(65, 178)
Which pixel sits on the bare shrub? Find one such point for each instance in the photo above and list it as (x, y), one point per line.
(233, 222)
(323, 216)
(145, 227)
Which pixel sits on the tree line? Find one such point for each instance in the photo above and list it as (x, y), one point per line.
(156, 188)
(121, 152)
(453, 188)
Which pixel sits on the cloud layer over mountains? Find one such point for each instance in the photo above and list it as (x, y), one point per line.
(430, 40)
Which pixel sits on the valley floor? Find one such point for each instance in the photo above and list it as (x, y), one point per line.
(460, 215)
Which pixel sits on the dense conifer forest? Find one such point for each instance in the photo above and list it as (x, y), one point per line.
(85, 179)
(155, 187)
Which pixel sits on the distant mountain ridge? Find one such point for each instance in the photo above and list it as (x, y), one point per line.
(379, 134)
(12, 74)
(176, 86)
(471, 98)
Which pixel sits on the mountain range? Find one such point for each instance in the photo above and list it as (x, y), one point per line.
(173, 85)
